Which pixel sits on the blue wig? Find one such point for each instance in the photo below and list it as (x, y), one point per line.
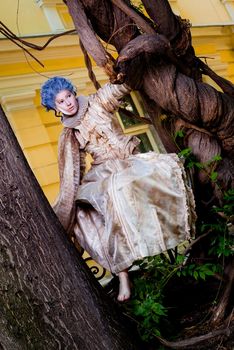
(51, 88)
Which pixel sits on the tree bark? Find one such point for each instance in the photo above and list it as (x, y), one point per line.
(134, 16)
(158, 10)
(48, 297)
(221, 308)
(85, 32)
(110, 23)
(170, 79)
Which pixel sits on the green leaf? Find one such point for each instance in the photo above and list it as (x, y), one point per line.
(202, 275)
(180, 259)
(179, 133)
(213, 176)
(199, 165)
(217, 158)
(185, 152)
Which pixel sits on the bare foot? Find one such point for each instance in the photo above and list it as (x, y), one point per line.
(124, 286)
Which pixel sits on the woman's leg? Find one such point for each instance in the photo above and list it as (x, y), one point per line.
(124, 286)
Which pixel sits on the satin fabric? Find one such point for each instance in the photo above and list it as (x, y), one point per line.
(129, 205)
(142, 208)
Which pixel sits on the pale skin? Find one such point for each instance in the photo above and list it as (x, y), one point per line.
(66, 103)
(124, 286)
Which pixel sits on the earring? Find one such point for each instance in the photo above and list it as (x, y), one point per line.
(58, 114)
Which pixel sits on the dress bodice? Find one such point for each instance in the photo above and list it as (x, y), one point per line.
(101, 135)
(99, 132)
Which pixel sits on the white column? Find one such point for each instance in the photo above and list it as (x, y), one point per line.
(229, 4)
(52, 15)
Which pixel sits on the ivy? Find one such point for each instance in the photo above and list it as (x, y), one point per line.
(200, 271)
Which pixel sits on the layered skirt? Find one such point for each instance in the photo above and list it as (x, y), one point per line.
(128, 209)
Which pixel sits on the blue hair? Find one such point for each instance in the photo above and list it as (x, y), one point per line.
(51, 88)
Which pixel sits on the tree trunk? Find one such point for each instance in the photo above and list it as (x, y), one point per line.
(169, 76)
(48, 297)
(156, 57)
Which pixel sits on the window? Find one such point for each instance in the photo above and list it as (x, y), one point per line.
(134, 121)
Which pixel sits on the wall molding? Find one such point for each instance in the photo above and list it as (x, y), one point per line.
(15, 102)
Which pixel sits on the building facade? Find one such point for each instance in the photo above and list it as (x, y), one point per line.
(21, 76)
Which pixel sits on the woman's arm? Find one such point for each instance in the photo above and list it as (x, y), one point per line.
(110, 95)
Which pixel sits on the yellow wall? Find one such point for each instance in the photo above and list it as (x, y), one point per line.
(21, 77)
(37, 130)
(215, 46)
(202, 12)
(26, 19)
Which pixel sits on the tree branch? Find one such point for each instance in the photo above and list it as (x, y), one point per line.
(225, 85)
(5, 30)
(145, 27)
(219, 311)
(182, 344)
(161, 13)
(88, 63)
(195, 102)
(91, 43)
(195, 241)
(145, 43)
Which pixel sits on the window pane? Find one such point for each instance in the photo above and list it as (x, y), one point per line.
(127, 117)
(145, 144)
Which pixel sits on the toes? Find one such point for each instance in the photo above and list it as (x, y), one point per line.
(122, 298)
(124, 287)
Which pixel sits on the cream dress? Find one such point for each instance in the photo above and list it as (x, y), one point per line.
(129, 205)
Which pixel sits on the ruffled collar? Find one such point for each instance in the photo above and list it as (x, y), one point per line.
(72, 122)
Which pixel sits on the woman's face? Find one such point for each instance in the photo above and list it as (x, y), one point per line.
(66, 103)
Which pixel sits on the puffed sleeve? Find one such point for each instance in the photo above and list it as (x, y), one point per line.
(109, 96)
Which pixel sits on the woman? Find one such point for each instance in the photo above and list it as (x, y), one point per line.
(128, 205)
